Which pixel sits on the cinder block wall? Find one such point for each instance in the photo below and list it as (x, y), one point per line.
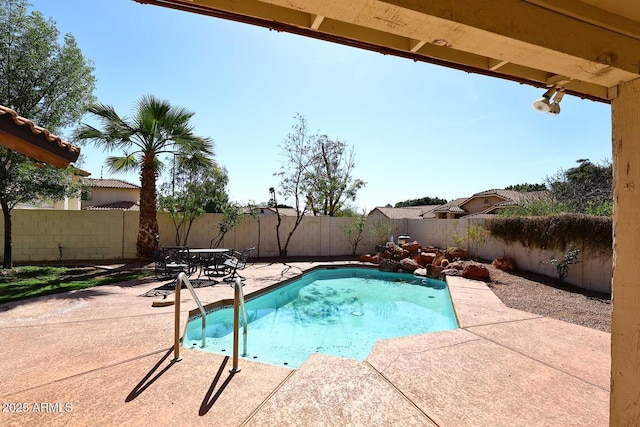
(104, 235)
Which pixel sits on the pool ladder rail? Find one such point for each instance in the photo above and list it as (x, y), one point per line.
(238, 302)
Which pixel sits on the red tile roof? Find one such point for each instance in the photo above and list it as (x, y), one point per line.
(126, 206)
(35, 141)
(109, 183)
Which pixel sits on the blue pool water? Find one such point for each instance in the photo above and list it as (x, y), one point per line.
(341, 312)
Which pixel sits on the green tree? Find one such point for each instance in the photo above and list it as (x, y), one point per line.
(192, 191)
(526, 187)
(355, 230)
(330, 175)
(156, 128)
(231, 216)
(586, 188)
(423, 201)
(295, 177)
(48, 82)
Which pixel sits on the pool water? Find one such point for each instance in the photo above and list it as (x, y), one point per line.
(340, 312)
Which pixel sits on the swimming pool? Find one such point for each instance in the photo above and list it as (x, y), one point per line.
(341, 312)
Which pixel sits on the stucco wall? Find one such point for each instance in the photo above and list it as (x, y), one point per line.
(97, 235)
(103, 196)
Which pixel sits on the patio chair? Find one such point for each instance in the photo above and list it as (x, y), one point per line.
(172, 260)
(237, 261)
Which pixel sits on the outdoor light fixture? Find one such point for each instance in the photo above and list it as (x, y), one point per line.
(555, 105)
(545, 105)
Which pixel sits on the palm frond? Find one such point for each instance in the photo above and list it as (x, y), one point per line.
(126, 163)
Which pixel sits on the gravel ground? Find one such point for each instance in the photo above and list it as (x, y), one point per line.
(543, 295)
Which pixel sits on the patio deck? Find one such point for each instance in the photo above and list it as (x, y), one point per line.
(101, 356)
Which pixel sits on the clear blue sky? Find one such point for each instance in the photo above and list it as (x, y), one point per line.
(417, 129)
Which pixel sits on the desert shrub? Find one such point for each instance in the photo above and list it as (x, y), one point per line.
(556, 232)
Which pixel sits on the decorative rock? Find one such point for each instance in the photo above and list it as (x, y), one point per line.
(427, 257)
(409, 264)
(458, 265)
(504, 264)
(420, 272)
(434, 270)
(430, 248)
(411, 247)
(377, 258)
(365, 258)
(389, 265)
(438, 259)
(450, 272)
(457, 253)
(476, 272)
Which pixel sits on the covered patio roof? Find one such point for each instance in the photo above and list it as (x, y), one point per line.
(20, 134)
(586, 47)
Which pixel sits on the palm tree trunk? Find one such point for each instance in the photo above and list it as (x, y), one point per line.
(148, 225)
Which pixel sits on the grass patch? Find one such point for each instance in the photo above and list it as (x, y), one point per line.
(32, 281)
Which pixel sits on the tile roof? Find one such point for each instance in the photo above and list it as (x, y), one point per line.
(126, 206)
(109, 183)
(401, 213)
(35, 141)
(452, 206)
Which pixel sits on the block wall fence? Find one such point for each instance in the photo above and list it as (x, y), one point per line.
(50, 235)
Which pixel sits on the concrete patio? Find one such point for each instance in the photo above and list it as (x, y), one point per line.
(102, 356)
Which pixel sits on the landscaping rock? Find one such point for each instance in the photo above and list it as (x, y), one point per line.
(453, 254)
(458, 265)
(365, 258)
(409, 264)
(504, 264)
(434, 270)
(411, 247)
(389, 265)
(438, 259)
(427, 257)
(420, 272)
(450, 272)
(476, 272)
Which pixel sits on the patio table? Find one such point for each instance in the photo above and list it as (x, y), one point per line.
(206, 258)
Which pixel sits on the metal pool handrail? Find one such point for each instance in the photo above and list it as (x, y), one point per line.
(182, 278)
(238, 302)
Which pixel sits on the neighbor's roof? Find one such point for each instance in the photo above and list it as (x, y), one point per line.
(453, 206)
(400, 213)
(22, 135)
(109, 183)
(125, 206)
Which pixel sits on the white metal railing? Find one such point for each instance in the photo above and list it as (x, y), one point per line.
(182, 278)
(238, 302)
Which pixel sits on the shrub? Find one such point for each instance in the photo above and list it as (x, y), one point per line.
(556, 232)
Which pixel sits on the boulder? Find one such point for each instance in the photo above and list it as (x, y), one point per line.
(412, 247)
(450, 272)
(409, 264)
(418, 259)
(365, 258)
(504, 264)
(458, 265)
(377, 258)
(453, 254)
(420, 272)
(434, 270)
(439, 257)
(476, 272)
(427, 257)
(430, 248)
(389, 265)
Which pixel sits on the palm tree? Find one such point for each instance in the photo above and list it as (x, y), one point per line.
(156, 128)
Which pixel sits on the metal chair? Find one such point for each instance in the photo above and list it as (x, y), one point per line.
(237, 261)
(171, 260)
